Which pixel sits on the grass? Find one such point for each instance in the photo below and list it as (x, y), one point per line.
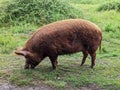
(110, 6)
(105, 75)
(44, 11)
(68, 72)
(14, 36)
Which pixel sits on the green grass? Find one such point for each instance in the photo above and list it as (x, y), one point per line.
(105, 75)
(69, 72)
(35, 11)
(110, 6)
(14, 36)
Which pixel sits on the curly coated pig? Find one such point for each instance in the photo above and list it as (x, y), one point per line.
(62, 37)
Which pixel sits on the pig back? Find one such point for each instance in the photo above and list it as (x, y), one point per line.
(64, 37)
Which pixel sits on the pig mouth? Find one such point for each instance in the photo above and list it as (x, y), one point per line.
(26, 66)
(31, 65)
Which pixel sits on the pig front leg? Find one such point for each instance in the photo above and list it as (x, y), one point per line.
(26, 65)
(54, 62)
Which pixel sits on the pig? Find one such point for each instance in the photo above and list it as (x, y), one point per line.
(60, 38)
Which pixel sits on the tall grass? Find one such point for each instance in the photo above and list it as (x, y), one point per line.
(37, 11)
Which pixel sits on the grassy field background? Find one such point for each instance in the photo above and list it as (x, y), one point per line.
(106, 73)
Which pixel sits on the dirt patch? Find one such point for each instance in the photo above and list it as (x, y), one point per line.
(90, 87)
(7, 86)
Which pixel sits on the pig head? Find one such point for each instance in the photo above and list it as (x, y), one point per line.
(32, 59)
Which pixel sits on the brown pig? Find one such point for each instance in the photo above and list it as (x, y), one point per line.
(62, 37)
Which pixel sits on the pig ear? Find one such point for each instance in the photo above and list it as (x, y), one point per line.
(23, 53)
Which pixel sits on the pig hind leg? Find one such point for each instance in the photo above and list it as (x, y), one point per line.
(54, 62)
(93, 57)
(92, 53)
(85, 54)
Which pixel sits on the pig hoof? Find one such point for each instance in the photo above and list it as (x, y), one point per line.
(54, 68)
(81, 64)
(91, 67)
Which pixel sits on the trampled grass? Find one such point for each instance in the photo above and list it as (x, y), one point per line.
(105, 75)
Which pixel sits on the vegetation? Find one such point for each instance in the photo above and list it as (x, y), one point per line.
(110, 6)
(106, 73)
(36, 11)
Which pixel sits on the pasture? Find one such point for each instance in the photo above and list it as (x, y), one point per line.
(69, 74)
